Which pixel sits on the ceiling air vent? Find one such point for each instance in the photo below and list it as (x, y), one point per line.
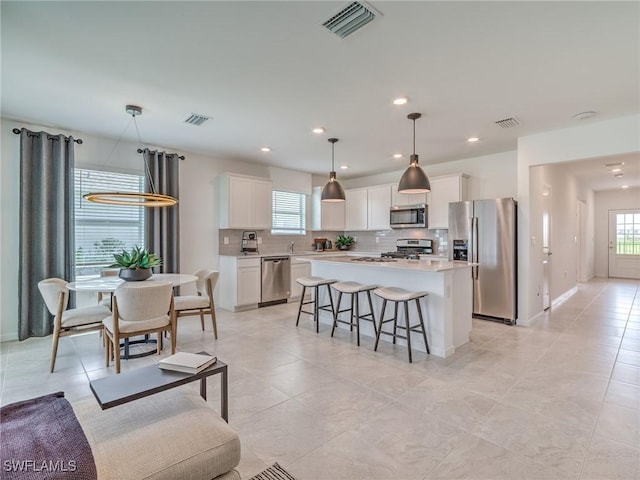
(508, 122)
(351, 18)
(195, 119)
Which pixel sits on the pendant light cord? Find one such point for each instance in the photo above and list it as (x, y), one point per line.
(333, 146)
(144, 158)
(414, 136)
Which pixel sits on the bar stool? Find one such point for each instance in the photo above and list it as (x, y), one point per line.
(315, 283)
(397, 295)
(353, 289)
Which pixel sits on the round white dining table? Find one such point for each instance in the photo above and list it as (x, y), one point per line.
(110, 283)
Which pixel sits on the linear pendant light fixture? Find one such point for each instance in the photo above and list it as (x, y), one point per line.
(133, 199)
(332, 191)
(414, 180)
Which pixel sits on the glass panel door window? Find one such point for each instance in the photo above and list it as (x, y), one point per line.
(628, 234)
(102, 230)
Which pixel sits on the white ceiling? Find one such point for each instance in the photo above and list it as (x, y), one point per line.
(267, 72)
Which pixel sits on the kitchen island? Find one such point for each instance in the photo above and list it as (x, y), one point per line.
(448, 307)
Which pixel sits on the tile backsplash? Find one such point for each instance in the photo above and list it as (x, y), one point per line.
(366, 241)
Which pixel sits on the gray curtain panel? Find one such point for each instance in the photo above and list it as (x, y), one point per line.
(46, 224)
(162, 225)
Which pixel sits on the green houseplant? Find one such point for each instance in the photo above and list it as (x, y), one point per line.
(136, 265)
(344, 242)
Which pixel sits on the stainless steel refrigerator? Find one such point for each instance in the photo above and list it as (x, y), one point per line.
(484, 232)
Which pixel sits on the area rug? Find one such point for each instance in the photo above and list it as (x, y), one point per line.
(274, 472)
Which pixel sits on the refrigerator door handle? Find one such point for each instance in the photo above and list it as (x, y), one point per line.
(474, 257)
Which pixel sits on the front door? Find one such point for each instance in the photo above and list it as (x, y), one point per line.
(624, 243)
(546, 248)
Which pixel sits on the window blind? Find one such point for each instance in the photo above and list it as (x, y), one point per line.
(102, 230)
(288, 213)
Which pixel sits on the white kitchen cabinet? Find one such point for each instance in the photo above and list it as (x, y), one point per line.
(378, 205)
(406, 198)
(445, 189)
(245, 202)
(299, 269)
(356, 209)
(328, 216)
(239, 283)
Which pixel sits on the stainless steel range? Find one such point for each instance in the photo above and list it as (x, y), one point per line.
(410, 248)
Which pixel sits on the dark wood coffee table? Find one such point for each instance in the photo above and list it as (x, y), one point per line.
(125, 387)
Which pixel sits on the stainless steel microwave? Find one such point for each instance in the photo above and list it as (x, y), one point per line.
(408, 216)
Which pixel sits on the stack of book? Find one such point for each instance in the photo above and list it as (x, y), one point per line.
(187, 362)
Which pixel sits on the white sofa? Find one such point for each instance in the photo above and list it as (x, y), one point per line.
(170, 435)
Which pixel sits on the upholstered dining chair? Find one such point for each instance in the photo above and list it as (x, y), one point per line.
(203, 302)
(55, 293)
(106, 272)
(139, 308)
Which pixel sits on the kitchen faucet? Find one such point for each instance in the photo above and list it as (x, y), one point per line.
(291, 247)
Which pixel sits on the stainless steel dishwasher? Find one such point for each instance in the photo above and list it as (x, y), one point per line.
(276, 281)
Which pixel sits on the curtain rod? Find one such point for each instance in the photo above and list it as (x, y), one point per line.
(17, 131)
(140, 150)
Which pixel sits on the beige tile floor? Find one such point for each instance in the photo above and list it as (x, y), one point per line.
(558, 400)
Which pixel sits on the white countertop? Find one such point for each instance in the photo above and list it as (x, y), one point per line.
(309, 253)
(420, 265)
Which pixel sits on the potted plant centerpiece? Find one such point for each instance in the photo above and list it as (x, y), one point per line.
(136, 265)
(344, 242)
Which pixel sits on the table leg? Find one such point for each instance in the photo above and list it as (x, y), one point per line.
(203, 388)
(224, 395)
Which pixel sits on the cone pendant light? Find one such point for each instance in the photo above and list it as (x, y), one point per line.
(332, 191)
(414, 180)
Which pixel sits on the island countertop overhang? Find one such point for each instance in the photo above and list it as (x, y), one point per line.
(414, 265)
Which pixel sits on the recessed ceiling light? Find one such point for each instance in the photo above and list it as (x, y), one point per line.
(344, 167)
(614, 170)
(619, 175)
(614, 165)
(584, 115)
(265, 149)
(400, 101)
(318, 130)
(397, 155)
(472, 139)
(625, 186)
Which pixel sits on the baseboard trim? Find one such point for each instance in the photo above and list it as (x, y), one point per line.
(560, 299)
(9, 337)
(529, 321)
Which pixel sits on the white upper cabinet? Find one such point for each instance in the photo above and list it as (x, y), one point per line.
(445, 189)
(406, 198)
(378, 205)
(356, 209)
(245, 202)
(328, 216)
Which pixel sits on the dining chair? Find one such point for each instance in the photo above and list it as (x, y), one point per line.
(139, 308)
(66, 322)
(202, 303)
(106, 272)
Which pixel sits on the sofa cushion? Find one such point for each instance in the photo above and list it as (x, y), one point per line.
(173, 434)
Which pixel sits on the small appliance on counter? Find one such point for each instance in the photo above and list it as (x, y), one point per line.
(249, 243)
(328, 245)
(319, 244)
(411, 248)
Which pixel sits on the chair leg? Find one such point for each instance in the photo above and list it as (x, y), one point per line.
(159, 342)
(335, 315)
(330, 298)
(406, 319)
(355, 297)
(373, 317)
(352, 305)
(316, 312)
(107, 348)
(395, 321)
(424, 330)
(384, 306)
(116, 348)
(54, 347)
(202, 320)
(304, 289)
(214, 321)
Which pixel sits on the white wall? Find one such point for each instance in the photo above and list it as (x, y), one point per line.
(198, 204)
(604, 202)
(591, 140)
(490, 176)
